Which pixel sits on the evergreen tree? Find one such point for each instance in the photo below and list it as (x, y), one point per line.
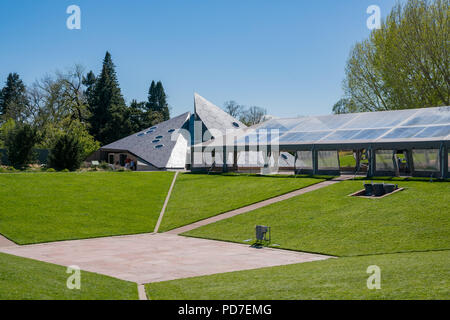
(137, 114)
(19, 143)
(13, 99)
(109, 120)
(152, 104)
(89, 82)
(67, 153)
(157, 101)
(162, 101)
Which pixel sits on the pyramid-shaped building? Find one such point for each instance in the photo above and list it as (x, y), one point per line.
(167, 145)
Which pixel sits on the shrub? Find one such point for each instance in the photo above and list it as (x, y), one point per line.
(66, 153)
(104, 166)
(65, 170)
(19, 145)
(51, 170)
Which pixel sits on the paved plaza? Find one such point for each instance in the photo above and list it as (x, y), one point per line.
(146, 258)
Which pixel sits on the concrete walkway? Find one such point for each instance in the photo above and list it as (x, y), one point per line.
(149, 258)
(257, 205)
(161, 215)
(4, 242)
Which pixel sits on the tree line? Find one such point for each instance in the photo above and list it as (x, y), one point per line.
(247, 115)
(402, 65)
(72, 114)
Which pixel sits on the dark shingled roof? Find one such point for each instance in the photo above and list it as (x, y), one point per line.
(142, 144)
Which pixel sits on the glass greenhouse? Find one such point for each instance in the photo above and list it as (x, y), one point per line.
(410, 142)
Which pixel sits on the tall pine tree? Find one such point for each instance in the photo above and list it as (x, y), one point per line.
(109, 120)
(13, 99)
(157, 101)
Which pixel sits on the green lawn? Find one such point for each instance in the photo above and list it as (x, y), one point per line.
(197, 196)
(26, 279)
(328, 221)
(347, 160)
(41, 207)
(403, 276)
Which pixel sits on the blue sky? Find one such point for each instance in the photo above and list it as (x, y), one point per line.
(286, 56)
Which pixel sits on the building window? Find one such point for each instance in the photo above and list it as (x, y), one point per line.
(122, 159)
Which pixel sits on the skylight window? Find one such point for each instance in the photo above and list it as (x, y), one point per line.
(159, 146)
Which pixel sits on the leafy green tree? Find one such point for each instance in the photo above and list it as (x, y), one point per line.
(109, 121)
(79, 131)
(60, 105)
(5, 128)
(405, 63)
(13, 99)
(344, 105)
(67, 153)
(19, 143)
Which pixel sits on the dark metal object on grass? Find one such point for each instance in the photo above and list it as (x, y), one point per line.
(263, 234)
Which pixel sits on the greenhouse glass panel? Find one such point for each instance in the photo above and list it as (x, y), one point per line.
(304, 160)
(369, 134)
(433, 123)
(342, 135)
(219, 157)
(303, 136)
(428, 116)
(383, 160)
(282, 125)
(385, 119)
(426, 159)
(250, 158)
(328, 160)
(330, 122)
(403, 133)
(434, 132)
(208, 159)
